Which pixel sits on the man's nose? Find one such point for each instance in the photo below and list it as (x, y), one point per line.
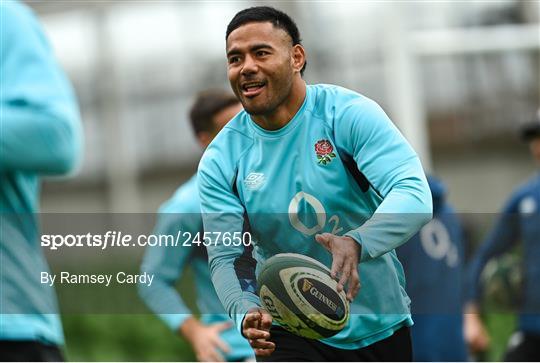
(249, 66)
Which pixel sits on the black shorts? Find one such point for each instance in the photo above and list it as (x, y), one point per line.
(292, 348)
(523, 347)
(29, 351)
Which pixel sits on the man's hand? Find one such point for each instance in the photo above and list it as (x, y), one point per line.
(205, 339)
(475, 333)
(345, 253)
(256, 328)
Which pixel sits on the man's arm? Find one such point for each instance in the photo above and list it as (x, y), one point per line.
(232, 268)
(39, 123)
(166, 264)
(367, 140)
(393, 171)
(502, 237)
(222, 212)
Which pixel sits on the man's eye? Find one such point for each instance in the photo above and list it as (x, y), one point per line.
(262, 53)
(233, 60)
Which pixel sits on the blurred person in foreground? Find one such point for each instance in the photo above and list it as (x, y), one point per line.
(519, 222)
(433, 261)
(213, 337)
(40, 135)
(318, 170)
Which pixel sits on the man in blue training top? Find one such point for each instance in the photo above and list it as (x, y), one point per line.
(317, 170)
(518, 222)
(433, 261)
(214, 337)
(40, 135)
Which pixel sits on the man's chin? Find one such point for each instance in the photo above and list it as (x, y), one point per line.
(255, 110)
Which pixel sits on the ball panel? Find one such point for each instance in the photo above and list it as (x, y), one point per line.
(284, 317)
(299, 260)
(302, 296)
(312, 290)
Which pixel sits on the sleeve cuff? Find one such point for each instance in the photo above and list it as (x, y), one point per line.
(174, 321)
(238, 319)
(249, 303)
(364, 255)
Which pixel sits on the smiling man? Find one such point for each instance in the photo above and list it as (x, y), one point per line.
(317, 170)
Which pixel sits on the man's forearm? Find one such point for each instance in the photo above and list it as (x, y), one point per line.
(38, 141)
(401, 214)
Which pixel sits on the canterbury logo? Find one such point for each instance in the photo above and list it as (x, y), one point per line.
(306, 285)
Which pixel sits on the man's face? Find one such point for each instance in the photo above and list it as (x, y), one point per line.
(534, 146)
(260, 66)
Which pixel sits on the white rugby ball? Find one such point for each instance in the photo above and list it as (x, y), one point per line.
(301, 296)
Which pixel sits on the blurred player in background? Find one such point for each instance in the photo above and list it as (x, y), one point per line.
(297, 150)
(433, 261)
(213, 338)
(518, 222)
(40, 135)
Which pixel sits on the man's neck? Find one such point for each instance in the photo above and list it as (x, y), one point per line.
(285, 112)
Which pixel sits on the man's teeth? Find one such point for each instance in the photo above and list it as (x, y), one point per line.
(253, 86)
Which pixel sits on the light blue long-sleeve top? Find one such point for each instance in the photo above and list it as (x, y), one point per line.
(338, 166)
(518, 222)
(40, 134)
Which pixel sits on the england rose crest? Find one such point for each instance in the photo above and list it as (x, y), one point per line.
(324, 151)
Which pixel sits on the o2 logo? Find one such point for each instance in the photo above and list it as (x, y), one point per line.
(436, 242)
(320, 212)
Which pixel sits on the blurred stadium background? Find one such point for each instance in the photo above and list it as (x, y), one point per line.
(458, 78)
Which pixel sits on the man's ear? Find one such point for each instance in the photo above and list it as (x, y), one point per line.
(298, 57)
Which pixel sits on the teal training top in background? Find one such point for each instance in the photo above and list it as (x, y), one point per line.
(338, 166)
(167, 263)
(40, 134)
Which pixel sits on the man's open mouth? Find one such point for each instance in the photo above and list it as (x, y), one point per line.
(252, 89)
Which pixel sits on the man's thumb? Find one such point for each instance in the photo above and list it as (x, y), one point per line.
(324, 240)
(222, 326)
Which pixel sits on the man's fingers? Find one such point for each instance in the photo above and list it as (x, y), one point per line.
(266, 321)
(261, 344)
(252, 316)
(482, 342)
(344, 277)
(354, 285)
(263, 352)
(210, 355)
(251, 319)
(478, 344)
(215, 356)
(222, 345)
(252, 333)
(337, 265)
(324, 239)
(222, 326)
(262, 347)
(344, 262)
(358, 283)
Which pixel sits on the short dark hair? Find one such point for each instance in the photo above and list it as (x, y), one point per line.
(207, 104)
(262, 14)
(531, 130)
